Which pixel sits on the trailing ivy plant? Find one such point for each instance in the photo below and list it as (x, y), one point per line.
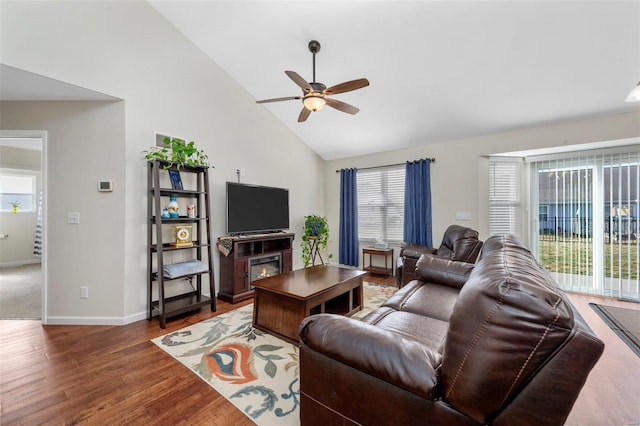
(177, 153)
(316, 234)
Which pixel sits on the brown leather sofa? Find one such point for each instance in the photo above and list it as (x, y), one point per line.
(496, 343)
(458, 243)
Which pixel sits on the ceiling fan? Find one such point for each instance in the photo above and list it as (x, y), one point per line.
(316, 95)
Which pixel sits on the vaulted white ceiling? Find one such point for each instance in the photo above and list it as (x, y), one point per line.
(439, 70)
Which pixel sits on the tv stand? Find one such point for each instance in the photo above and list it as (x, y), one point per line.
(235, 266)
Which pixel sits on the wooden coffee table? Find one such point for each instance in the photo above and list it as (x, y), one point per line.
(281, 302)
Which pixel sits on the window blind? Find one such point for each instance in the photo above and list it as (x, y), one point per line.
(588, 230)
(505, 207)
(18, 189)
(381, 203)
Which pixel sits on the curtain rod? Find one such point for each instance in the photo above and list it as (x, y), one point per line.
(432, 160)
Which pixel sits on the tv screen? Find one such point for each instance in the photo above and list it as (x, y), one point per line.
(254, 208)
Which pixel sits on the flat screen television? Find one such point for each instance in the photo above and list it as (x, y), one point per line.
(254, 209)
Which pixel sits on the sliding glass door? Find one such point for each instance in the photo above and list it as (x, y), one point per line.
(584, 221)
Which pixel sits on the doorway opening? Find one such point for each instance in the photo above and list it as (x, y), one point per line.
(22, 227)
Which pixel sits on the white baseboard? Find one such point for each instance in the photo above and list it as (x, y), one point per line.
(135, 317)
(96, 320)
(16, 263)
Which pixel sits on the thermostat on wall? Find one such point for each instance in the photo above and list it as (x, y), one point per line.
(105, 186)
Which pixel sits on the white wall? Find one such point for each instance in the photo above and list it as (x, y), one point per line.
(127, 50)
(460, 175)
(85, 145)
(21, 226)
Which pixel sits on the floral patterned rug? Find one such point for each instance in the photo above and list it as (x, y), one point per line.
(256, 372)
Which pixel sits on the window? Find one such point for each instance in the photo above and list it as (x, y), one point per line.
(17, 190)
(505, 210)
(381, 204)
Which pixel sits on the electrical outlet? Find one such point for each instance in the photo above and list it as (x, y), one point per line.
(84, 292)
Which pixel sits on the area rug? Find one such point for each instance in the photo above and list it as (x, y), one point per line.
(255, 371)
(624, 322)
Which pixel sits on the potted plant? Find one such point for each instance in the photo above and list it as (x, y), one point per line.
(177, 153)
(15, 206)
(314, 239)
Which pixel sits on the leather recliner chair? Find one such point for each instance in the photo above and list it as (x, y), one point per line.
(458, 243)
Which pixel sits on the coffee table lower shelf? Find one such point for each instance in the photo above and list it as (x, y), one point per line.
(280, 312)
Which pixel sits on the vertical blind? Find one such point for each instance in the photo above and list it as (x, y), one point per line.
(381, 203)
(505, 207)
(588, 233)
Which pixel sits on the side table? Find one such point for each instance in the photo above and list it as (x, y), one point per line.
(371, 251)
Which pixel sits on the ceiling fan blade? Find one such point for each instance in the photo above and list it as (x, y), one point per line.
(288, 98)
(304, 114)
(347, 86)
(341, 106)
(299, 81)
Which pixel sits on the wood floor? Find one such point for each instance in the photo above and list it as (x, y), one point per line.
(98, 375)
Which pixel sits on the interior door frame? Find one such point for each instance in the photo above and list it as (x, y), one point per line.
(41, 134)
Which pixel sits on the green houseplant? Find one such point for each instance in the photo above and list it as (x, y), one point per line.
(177, 153)
(15, 206)
(314, 239)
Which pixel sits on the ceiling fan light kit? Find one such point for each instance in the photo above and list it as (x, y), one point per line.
(314, 102)
(315, 95)
(634, 95)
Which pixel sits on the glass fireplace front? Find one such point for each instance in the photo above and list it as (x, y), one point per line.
(263, 267)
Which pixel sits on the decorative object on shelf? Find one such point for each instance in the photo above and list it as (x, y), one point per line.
(182, 236)
(15, 206)
(225, 245)
(177, 154)
(184, 269)
(314, 239)
(191, 211)
(380, 244)
(165, 213)
(176, 182)
(173, 207)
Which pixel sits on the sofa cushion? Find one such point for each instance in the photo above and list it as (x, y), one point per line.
(426, 299)
(428, 331)
(374, 351)
(508, 320)
(433, 269)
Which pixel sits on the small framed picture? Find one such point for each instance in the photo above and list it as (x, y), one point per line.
(176, 182)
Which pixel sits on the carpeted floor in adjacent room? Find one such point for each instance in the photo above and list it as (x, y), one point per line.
(21, 292)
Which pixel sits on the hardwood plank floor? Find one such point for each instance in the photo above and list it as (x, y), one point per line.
(115, 375)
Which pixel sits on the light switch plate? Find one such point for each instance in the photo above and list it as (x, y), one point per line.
(463, 216)
(73, 218)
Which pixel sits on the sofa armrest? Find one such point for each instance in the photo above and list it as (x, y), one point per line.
(413, 251)
(434, 269)
(376, 352)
